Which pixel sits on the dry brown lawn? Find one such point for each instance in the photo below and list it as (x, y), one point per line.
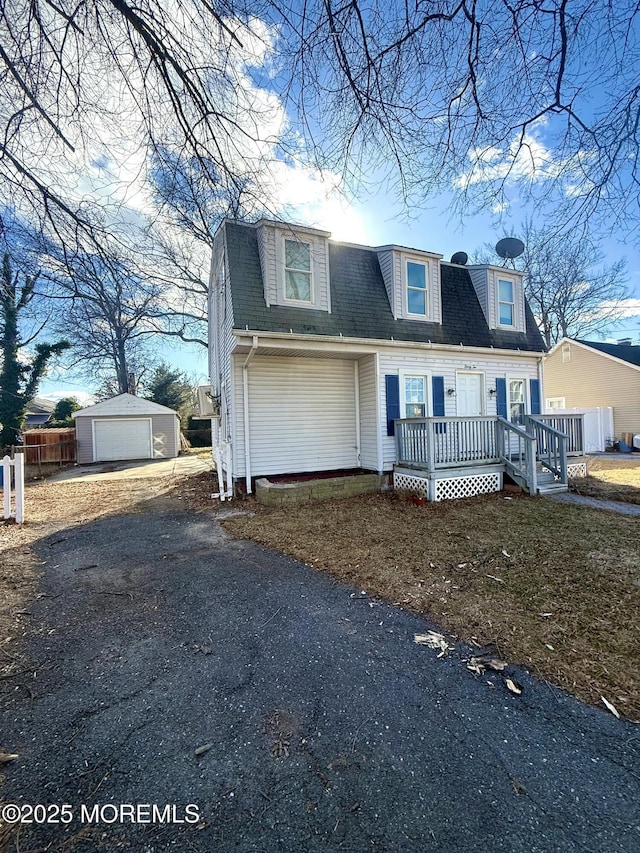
(614, 477)
(551, 586)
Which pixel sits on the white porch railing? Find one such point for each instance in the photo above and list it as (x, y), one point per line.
(13, 482)
(551, 447)
(434, 443)
(517, 451)
(572, 426)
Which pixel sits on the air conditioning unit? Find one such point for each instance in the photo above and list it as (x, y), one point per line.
(208, 402)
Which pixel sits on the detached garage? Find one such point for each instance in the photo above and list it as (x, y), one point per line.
(126, 427)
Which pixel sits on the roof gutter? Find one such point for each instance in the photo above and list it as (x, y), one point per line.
(245, 405)
(376, 343)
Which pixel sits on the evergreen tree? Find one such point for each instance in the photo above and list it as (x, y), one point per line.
(171, 388)
(18, 381)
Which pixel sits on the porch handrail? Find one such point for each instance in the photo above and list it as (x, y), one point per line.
(517, 450)
(572, 426)
(551, 446)
(445, 442)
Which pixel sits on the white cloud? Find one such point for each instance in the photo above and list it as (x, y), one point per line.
(628, 307)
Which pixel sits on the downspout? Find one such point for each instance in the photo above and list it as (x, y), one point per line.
(540, 383)
(380, 461)
(245, 405)
(356, 376)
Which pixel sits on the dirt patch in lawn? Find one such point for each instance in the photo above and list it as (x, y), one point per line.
(612, 478)
(553, 587)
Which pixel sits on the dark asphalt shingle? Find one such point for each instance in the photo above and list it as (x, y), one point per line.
(625, 352)
(359, 304)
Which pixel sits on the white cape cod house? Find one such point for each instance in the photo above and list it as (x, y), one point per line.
(328, 356)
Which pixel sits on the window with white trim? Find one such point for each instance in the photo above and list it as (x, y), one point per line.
(516, 400)
(413, 397)
(555, 402)
(506, 303)
(417, 291)
(298, 278)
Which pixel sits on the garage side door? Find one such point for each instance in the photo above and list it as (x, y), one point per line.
(301, 415)
(122, 439)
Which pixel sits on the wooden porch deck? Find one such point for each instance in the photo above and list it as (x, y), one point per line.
(481, 450)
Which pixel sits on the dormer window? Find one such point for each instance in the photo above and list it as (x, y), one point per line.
(416, 288)
(298, 279)
(506, 302)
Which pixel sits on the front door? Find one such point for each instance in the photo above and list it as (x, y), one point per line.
(469, 395)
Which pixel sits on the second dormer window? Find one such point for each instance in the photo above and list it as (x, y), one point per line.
(297, 271)
(416, 288)
(506, 302)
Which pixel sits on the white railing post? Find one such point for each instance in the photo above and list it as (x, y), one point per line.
(431, 446)
(15, 481)
(18, 470)
(6, 485)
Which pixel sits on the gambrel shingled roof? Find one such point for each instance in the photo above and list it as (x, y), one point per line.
(359, 304)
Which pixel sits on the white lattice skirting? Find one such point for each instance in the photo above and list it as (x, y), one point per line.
(449, 488)
(466, 487)
(577, 469)
(416, 485)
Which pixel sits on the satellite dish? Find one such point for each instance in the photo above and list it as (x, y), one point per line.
(509, 248)
(459, 258)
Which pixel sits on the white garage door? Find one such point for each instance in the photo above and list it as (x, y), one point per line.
(122, 439)
(301, 415)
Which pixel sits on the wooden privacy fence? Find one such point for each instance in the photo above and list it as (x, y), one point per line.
(13, 486)
(49, 445)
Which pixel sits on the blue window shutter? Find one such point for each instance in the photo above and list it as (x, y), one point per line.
(501, 397)
(437, 386)
(392, 385)
(534, 395)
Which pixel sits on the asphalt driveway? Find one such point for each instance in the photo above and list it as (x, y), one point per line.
(280, 711)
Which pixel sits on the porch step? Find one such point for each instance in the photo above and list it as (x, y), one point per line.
(547, 483)
(551, 489)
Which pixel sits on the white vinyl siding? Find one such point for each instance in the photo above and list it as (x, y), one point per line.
(302, 415)
(368, 414)
(446, 365)
(118, 439)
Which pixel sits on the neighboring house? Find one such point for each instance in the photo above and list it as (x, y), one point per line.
(126, 427)
(327, 355)
(39, 411)
(589, 373)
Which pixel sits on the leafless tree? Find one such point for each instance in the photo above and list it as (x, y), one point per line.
(112, 316)
(453, 93)
(478, 96)
(570, 290)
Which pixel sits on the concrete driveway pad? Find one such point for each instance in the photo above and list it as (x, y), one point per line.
(320, 725)
(134, 469)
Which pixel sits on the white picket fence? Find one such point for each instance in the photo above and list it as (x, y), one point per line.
(13, 484)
